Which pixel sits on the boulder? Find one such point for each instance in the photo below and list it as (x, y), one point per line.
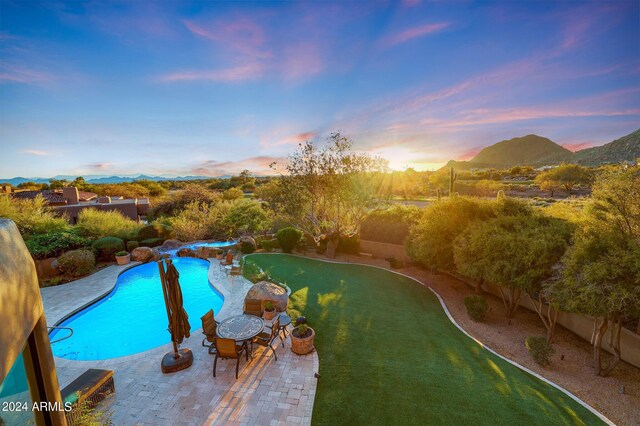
(171, 244)
(156, 254)
(186, 252)
(247, 244)
(143, 254)
(204, 252)
(265, 290)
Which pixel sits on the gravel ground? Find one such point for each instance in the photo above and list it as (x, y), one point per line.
(571, 365)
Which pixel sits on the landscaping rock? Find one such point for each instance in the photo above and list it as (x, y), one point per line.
(156, 254)
(247, 244)
(171, 245)
(143, 254)
(206, 252)
(186, 252)
(265, 290)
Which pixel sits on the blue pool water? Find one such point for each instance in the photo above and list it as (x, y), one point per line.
(133, 318)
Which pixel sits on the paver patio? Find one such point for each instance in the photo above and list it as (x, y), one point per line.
(267, 392)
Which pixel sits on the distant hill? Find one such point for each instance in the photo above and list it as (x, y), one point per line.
(627, 148)
(534, 150)
(103, 179)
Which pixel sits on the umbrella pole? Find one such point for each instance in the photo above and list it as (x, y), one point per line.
(179, 359)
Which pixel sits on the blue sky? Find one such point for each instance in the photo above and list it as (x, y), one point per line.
(212, 88)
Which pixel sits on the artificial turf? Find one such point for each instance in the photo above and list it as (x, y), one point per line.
(389, 355)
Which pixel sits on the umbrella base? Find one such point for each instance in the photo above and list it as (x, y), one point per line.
(171, 364)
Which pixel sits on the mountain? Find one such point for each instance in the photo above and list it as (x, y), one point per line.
(627, 148)
(103, 179)
(533, 150)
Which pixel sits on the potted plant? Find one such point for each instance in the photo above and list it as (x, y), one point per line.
(123, 257)
(269, 310)
(302, 339)
(219, 254)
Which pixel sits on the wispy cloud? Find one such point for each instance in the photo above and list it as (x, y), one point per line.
(10, 73)
(36, 152)
(259, 165)
(229, 75)
(414, 32)
(99, 166)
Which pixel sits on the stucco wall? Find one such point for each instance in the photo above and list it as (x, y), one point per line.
(384, 250)
(20, 302)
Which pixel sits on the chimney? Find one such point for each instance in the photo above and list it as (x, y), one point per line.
(70, 194)
(104, 200)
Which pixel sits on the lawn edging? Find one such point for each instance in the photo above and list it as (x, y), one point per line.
(446, 310)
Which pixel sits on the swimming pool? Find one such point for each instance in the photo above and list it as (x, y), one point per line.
(132, 318)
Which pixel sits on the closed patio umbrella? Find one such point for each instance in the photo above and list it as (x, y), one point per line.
(178, 319)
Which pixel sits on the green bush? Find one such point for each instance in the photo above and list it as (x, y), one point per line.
(131, 245)
(349, 244)
(389, 225)
(107, 247)
(76, 263)
(94, 224)
(476, 307)
(154, 230)
(54, 244)
(289, 238)
(32, 217)
(540, 349)
(152, 242)
(122, 253)
(269, 245)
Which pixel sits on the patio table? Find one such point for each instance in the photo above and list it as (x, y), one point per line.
(240, 327)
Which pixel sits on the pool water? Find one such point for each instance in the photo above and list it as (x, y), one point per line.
(133, 317)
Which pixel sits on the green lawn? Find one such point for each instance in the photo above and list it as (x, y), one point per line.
(389, 355)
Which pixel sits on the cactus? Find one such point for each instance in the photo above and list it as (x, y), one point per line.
(501, 195)
(453, 176)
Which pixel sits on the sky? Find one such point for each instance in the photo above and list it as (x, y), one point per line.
(211, 88)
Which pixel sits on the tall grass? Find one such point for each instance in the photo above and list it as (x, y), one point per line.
(97, 224)
(33, 217)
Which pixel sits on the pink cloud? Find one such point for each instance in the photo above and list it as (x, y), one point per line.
(242, 36)
(228, 75)
(18, 74)
(259, 165)
(302, 60)
(276, 138)
(414, 32)
(577, 146)
(36, 152)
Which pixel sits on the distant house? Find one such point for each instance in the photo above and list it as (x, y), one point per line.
(69, 201)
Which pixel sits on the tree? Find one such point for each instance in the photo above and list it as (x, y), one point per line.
(518, 253)
(565, 175)
(58, 183)
(330, 189)
(247, 217)
(601, 275)
(232, 194)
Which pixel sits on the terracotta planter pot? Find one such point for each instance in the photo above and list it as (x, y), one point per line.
(302, 346)
(123, 260)
(269, 315)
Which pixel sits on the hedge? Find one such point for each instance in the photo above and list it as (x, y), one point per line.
(107, 247)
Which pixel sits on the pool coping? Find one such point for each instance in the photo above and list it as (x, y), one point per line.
(446, 310)
(223, 291)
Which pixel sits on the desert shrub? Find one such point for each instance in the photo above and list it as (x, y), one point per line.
(246, 217)
(349, 244)
(32, 217)
(389, 225)
(94, 224)
(395, 263)
(200, 221)
(131, 245)
(539, 349)
(154, 230)
(107, 247)
(288, 238)
(176, 202)
(476, 307)
(232, 194)
(269, 245)
(151, 242)
(76, 263)
(54, 244)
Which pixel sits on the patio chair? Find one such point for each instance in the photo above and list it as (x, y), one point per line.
(253, 307)
(209, 327)
(228, 260)
(266, 338)
(229, 349)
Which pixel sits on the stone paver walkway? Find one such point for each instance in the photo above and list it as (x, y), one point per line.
(267, 392)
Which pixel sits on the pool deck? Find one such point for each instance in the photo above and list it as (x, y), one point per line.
(267, 392)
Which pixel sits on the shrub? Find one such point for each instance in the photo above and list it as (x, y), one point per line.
(154, 230)
(349, 244)
(288, 238)
(151, 242)
(389, 225)
(54, 244)
(32, 217)
(178, 201)
(76, 263)
(94, 223)
(131, 245)
(122, 253)
(232, 194)
(395, 263)
(540, 349)
(246, 217)
(268, 306)
(476, 307)
(200, 221)
(107, 247)
(269, 245)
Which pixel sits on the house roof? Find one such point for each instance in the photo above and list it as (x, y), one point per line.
(52, 197)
